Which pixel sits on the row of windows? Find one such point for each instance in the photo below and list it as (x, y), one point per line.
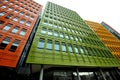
(17, 5)
(16, 11)
(14, 30)
(68, 47)
(6, 41)
(62, 35)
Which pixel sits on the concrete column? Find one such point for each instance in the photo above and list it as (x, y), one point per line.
(41, 72)
(102, 74)
(78, 74)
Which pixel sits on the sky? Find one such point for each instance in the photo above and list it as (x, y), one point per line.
(93, 10)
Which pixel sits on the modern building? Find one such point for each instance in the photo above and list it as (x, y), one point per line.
(66, 48)
(107, 37)
(17, 20)
(109, 28)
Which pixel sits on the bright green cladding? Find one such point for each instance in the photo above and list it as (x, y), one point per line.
(63, 38)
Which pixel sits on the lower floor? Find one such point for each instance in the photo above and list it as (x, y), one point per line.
(50, 72)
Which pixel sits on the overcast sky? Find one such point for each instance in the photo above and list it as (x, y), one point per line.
(93, 10)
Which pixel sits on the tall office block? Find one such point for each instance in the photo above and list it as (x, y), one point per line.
(110, 29)
(108, 38)
(63, 38)
(17, 20)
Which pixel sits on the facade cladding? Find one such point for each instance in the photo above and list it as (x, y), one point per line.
(17, 19)
(114, 32)
(109, 39)
(63, 38)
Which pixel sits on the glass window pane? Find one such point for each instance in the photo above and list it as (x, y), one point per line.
(57, 46)
(22, 21)
(28, 24)
(7, 27)
(50, 32)
(2, 13)
(70, 48)
(15, 30)
(23, 32)
(15, 19)
(64, 47)
(14, 45)
(41, 43)
(1, 22)
(61, 35)
(56, 33)
(67, 37)
(43, 31)
(76, 49)
(81, 50)
(5, 42)
(49, 44)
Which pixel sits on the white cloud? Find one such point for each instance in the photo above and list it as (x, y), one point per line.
(94, 10)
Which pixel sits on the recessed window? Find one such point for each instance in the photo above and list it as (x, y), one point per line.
(5, 0)
(76, 38)
(76, 49)
(23, 32)
(57, 46)
(27, 15)
(22, 21)
(4, 6)
(5, 42)
(8, 16)
(66, 36)
(81, 50)
(15, 19)
(49, 44)
(32, 18)
(50, 32)
(63, 47)
(7, 27)
(61, 35)
(56, 33)
(15, 30)
(9, 9)
(71, 36)
(70, 48)
(14, 45)
(11, 3)
(16, 11)
(41, 43)
(21, 13)
(2, 13)
(28, 24)
(44, 30)
(1, 22)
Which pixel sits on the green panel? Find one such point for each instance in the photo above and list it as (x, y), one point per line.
(63, 38)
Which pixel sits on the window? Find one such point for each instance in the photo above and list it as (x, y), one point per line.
(21, 13)
(5, 42)
(81, 50)
(49, 44)
(15, 19)
(14, 45)
(64, 28)
(27, 15)
(23, 32)
(76, 49)
(9, 9)
(2, 13)
(50, 32)
(67, 37)
(28, 24)
(16, 11)
(11, 3)
(41, 43)
(44, 30)
(57, 46)
(71, 36)
(70, 48)
(32, 18)
(15, 30)
(56, 33)
(22, 21)
(4, 6)
(68, 29)
(76, 38)
(1, 22)
(80, 39)
(64, 47)
(61, 35)
(7, 27)
(8, 16)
